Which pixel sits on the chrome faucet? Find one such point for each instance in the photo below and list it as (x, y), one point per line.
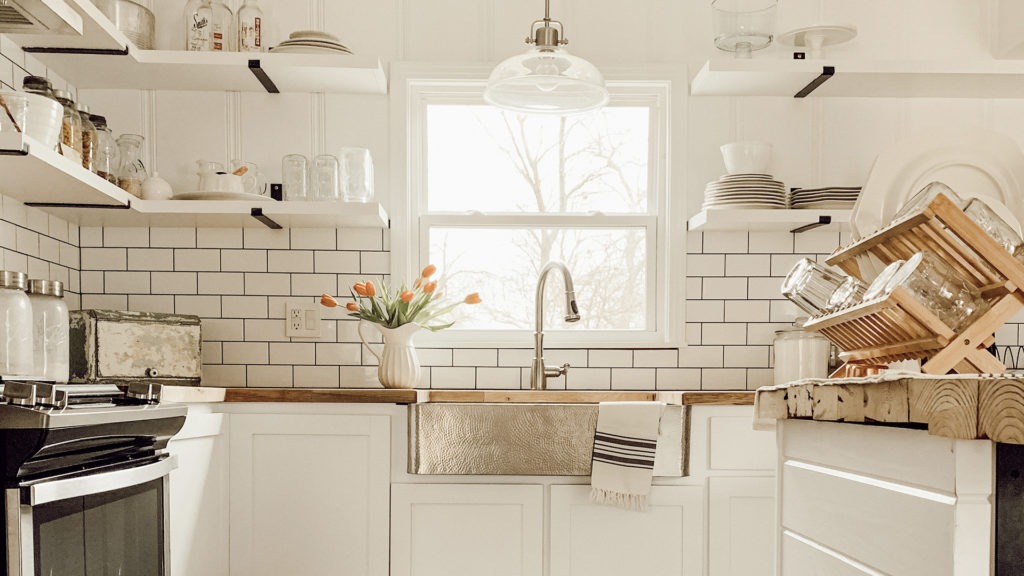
(539, 373)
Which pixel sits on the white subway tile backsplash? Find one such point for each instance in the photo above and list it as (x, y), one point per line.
(723, 334)
(92, 282)
(243, 260)
(518, 357)
(174, 282)
(757, 377)
(221, 282)
(224, 329)
(15, 261)
(224, 375)
(290, 261)
(488, 378)
(195, 259)
(452, 377)
(212, 353)
(151, 259)
(126, 282)
(70, 256)
(725, 242)
(342, 354)
(245, 352)
(375, 262)
(821, 241)
(8, 235)
(746, 356)
(49, 249)
(313, 239)
(244, 306)
(705, 265)
(172, 237)
(705, 310)
(336, 262)
(316, 377)
(474, 357)
(144, 303)
(694, 288)
(723, 379)
(38, 268)
(57, 228)
(609, 358)
(268, 376)
(784, 311)
(701, 357)
(202, 306)
(313, 284)
(360, 239)
(219, 237)
(265, 238)
(655, 358)
(725, 288)
(38, 221)
(763, 333)
(27, 242)
(677, 379)
(632, 379)
(266, 284)
(15, 212)
(746, 311)
(770, 242)
(263, 331)
(126, 237)
(104, 259)
(102, 301)
(767, 288)
(89, 237)
(575, 357)
(360, 377)
(747, 264)
(588, 379)
(292, 353)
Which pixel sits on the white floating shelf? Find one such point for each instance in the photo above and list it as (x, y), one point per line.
(229, 214)
(851, 78)
(31, 173)
(764, 220)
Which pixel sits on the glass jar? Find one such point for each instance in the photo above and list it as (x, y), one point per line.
(50, 330)
(250, 26)
(324, 178)
(799, 354)
(811, 286)
(71, 129)
(222, 35)
(38, 85)
(16, 327)
(295, 177)
(356, 174)
(107, 159)
(90, 139)
(131, 172)
(198, 23)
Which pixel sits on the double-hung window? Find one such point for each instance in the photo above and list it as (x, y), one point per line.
(494, 195)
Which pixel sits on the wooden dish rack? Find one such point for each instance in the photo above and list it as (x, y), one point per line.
(898, 327)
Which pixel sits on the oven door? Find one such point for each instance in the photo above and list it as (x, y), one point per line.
(109, 523)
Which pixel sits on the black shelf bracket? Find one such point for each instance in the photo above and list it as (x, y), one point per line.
(826, 73)
(267, 221)
(822, 221)
(59, 50)
(78, 205)
(261, 75)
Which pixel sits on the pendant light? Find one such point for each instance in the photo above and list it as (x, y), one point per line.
(546, 79)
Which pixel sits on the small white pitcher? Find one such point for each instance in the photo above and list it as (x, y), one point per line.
(397, 364)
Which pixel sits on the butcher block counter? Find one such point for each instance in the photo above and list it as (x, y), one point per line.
(901, 473)
(186, 394)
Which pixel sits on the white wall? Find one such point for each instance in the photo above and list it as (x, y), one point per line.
(732, 298)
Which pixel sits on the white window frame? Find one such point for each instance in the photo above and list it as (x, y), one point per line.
(413, 87)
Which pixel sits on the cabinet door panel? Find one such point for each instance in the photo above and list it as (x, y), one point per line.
(309, 495)
(741, 526)
(466, 530)
(589, 539)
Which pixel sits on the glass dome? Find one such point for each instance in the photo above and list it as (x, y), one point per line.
(546, 80)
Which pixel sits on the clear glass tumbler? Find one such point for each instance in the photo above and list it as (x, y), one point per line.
(940, 287)
(325, 177)
(356, 174)
(743, 25)
(811, 286)
(253, 181)
(995, 226)
(295, 177)
(924, 197)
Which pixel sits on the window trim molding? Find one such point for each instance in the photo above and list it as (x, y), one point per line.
(408, 81)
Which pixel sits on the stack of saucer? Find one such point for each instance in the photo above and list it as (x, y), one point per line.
(831, 197)
(745, 191)
(311, 42)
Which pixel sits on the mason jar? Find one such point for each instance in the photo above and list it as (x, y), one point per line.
(50, 330)
(16, 325)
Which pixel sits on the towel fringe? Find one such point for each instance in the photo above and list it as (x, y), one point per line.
(634, 502)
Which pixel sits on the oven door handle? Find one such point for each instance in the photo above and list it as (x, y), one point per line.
(45, 492)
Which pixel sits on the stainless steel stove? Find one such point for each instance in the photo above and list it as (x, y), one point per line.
(85, 478)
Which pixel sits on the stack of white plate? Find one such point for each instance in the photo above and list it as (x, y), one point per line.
(311, 42)
(745, 191)
(832, 197)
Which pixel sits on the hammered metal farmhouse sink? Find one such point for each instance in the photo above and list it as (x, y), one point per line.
(532, 439)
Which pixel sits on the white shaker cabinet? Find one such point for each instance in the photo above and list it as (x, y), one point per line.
(741, 526)
(309, 494)
(199, 496)
(467, 530)
(589, 539)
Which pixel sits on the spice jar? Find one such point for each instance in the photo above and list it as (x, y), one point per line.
(50, 331)
(131, 172)
(107, 160)
(15, 325)
(71, 129)
(90, 139)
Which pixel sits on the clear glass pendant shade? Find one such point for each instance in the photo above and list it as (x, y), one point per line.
(547, 80)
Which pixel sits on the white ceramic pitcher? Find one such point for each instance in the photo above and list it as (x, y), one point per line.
(397, 364)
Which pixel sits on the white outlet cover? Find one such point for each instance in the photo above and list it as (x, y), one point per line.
(301, 320)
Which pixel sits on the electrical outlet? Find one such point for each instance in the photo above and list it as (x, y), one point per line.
(301, 320)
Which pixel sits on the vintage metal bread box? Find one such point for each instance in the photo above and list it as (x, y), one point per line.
(119, 347)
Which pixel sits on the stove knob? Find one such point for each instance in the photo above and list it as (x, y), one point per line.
(48, 396)
(20, 393)
(144, 393)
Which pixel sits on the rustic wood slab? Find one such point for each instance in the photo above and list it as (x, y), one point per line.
(1001, 410)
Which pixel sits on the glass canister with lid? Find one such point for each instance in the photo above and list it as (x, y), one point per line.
(15, 325)
(131, 171)
(799, 354)
(71, 131)
(90, 139)
(50, 330)
(108, 156)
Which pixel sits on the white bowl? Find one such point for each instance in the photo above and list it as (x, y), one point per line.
(38, 116)
(751, 157)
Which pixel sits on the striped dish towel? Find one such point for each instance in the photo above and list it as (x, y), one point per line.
(623, 459)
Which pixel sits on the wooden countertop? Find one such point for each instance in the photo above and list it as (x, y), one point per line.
(954, 406)
(386, 396)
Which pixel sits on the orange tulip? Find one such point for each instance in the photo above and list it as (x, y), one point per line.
(473, 298)
(428, 271)
(370, 291)
(360, 289)
(352, 306)
(328, 300)
(430, 287)
(417, 283)
(406, 296)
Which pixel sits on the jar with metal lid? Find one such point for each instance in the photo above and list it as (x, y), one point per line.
(38, 85)
(71, 130)
(799, 354)
(15, 325)
(50, 330)
(90, 139)
(108, 157)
